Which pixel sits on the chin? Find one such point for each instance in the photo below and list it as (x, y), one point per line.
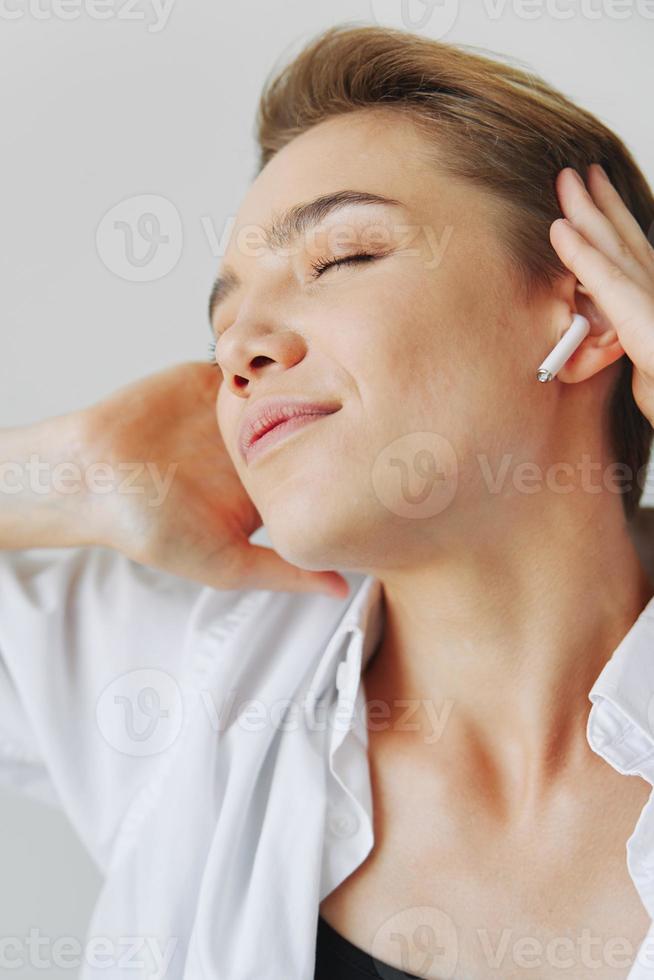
(314, 535)
(330, 538)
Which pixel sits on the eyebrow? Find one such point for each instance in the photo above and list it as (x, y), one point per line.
(284, 228)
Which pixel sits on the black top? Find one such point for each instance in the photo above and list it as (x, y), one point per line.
(339, 959)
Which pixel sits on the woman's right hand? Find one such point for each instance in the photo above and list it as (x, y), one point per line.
(185, 510)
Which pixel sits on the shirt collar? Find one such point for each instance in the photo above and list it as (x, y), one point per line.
(621, 722)
(364, 617)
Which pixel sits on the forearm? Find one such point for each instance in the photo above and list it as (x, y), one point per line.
(44, 498)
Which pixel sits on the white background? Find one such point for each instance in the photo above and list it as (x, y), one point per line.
(97, 112)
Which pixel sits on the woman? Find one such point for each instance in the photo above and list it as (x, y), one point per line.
(442, 789)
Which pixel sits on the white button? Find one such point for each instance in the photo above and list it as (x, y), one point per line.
(342, 823)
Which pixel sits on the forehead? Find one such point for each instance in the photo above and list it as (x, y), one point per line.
(380, 151)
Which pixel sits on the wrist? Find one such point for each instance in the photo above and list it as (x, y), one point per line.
(44, 498)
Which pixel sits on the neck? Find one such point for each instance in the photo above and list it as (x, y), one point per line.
(496, 645)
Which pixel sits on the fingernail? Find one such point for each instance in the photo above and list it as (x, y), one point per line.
(602, 171)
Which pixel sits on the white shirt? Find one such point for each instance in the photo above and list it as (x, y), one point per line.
(219, 827)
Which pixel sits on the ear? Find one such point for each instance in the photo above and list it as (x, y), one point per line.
(599, 349)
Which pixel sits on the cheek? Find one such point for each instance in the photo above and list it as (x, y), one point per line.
(228, 422)
(406, 356)
(221, 415)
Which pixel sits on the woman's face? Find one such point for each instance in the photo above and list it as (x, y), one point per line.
(422, 346)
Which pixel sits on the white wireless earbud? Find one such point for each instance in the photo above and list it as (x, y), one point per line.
(566, 346)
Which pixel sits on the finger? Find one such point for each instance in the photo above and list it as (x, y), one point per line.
(610, 203)
(265, 569)
(580, 209)
(629, 307)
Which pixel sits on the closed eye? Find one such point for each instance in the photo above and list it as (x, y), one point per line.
(322, 264)
(318, 268)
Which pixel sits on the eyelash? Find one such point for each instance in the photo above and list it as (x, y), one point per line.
(321, 264)
(318, 268)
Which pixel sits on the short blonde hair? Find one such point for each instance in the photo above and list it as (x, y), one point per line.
(501, 127)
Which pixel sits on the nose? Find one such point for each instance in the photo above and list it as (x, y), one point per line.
(248, 352)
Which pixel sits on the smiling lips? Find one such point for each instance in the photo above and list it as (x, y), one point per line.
(271, 419)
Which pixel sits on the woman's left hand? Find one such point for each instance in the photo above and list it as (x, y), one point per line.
(601, 242)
